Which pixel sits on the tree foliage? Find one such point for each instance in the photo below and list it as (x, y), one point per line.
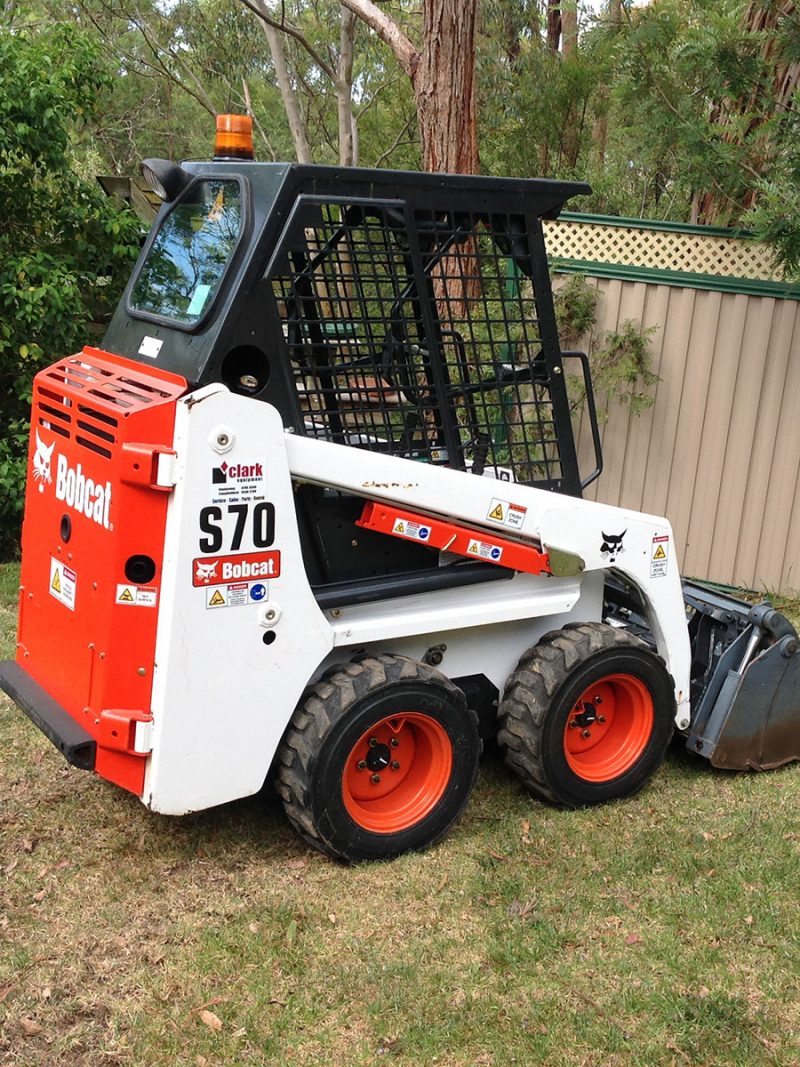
(64, 249)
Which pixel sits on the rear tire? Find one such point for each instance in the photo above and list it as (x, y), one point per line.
(587, 715)
(379, 759)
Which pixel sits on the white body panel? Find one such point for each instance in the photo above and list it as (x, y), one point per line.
(222, 697)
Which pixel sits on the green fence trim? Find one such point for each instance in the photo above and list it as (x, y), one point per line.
(714, 282)
(655, 224)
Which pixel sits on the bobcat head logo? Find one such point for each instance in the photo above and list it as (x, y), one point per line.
(612, 545)
(41, 462)
(206, 571)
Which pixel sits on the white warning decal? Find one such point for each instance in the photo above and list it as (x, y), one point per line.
(236, 594)
(503, 511)
(63, 582)
(484, 550)
(659, 557)
(143, 596)
(415, 531)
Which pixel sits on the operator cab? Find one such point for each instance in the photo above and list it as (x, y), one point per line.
(402, 313)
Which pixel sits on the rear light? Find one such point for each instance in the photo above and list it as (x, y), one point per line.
(234, 137)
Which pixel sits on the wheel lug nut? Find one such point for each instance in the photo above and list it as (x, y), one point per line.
(394, 742)
(375, 778)
(373, 742)
(586, 733)
(601, 718)
(362, 763)
(598, 700)
(572, 725)
(395, 765)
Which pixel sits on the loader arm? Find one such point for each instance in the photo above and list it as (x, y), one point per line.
(573, 532)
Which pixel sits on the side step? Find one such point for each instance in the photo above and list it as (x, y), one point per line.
(69, 737)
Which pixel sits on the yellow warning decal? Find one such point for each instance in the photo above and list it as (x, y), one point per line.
(126, 596)
(473, 546)
(216, 600)
(497, 513)
(55, 585)
(659, 552)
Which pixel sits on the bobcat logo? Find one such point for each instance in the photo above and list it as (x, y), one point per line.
(41, 462)
(206, 571)
(612, 545)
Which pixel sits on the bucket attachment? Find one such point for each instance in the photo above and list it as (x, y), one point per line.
(745, 682)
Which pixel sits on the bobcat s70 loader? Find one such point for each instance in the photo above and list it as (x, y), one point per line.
(315, 507)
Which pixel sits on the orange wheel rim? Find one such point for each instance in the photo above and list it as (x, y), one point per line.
(608, 727)
(397, 772)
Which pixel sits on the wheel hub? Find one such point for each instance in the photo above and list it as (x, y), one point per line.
(378, 757)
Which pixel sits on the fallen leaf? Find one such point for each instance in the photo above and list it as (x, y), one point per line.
(40, 895)
(47, 993)
(27, 844)
(253, 928)
(30, 1027)
(200, 1061)
(210, 1019)
(332, 918)
(633, 939)
(703, 992)
(749, 920)
(495, 855)
(297, 865)
(442, 882)
(239, 1033)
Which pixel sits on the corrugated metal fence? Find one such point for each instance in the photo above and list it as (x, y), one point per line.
(719, 451)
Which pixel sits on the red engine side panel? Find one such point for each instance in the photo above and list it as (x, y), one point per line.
(87, 628)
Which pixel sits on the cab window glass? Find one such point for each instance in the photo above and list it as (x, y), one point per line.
(188, 257)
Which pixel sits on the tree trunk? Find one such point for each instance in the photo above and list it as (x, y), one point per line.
(553, 24)
(444, 87)
(294, 116)
(442, 76)
(569, 45)
(348, 148)
(600, 128)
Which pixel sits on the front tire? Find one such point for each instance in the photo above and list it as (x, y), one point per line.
(379, 759)
(587, 715)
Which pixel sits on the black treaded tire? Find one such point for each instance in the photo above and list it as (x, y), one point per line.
(539, 709)
(315, 761)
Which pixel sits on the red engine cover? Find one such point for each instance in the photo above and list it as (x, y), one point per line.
(87, 629)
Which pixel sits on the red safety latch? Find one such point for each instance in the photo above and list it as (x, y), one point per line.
(148, 465)
(125, 730)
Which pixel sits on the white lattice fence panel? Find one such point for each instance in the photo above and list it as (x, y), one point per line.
(695, 253)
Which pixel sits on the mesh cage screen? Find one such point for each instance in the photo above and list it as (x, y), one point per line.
(415, 335)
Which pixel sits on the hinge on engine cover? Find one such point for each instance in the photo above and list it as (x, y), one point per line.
(152, 466)
(125, 731)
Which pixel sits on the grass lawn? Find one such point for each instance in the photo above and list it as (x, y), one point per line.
(661, 930)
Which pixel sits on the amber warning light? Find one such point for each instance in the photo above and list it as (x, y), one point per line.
(234, 137)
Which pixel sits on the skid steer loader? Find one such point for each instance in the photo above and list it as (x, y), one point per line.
(315, 508)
